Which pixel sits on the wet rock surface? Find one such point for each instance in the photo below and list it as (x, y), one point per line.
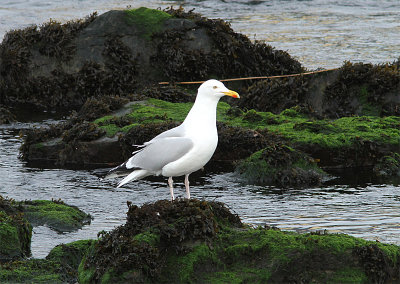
(15, 232)
(138, 248)
(204, 242)
(60, 266)
(16, 221)
(55, 214)
(281, 165)
(62, 65)
(353, 89)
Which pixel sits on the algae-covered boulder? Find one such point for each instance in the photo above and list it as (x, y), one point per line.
(388, 166)
(15, 237)
(353, 89)
(60, 66)
(15, 232)
(138, 251)
(60, 266)
(31, 271)
(282, 166)
(55, 214)
(346, 142)
(193, 241)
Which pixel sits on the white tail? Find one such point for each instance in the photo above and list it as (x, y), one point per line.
(135, 175)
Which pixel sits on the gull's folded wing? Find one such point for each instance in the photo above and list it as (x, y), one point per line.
(159, 153)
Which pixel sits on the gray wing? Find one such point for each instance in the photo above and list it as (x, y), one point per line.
(159, 153)
(178, 131)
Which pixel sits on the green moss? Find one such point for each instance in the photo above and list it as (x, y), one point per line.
(86, 274)
(291, 123)
(148, 237)
(186, 263)
(60, 266)
(349, 275)
(367, 107)
(245, 275)
(227, 277)
(103, 119)
(107, 277)
(277, 249)
(56, 215)
(391, 251)
(151, 111)
(256, 170)
(388, 166)
(111, 129)
(149, 20)
(31, 271)
(73, 252)
(10, 243)
(235, 254)
(15, 236)
(280, 165)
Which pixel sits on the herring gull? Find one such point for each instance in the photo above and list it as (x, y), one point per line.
(184, 149)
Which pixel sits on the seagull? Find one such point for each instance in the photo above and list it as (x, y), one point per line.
(181, 150)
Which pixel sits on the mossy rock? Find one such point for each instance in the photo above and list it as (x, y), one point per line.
(60, 266)
(15, 237)
(61, 65)
(282, 166)
(151, 21)
(15, 232)
(136, 249)
(31, 271)
(338, 143)
(294, 124)
(388, 166)
(353, 89)
(55, 214)
(202, 242)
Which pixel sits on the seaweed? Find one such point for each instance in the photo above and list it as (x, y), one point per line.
(280, 165)
(222, 53)
(152, 230)
(203, 242)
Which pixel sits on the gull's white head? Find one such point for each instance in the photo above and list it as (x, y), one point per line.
(217, 89)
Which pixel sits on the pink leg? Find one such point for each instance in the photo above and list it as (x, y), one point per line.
(187, 186)
(171, 188)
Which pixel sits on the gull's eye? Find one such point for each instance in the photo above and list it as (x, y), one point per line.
(215, 87)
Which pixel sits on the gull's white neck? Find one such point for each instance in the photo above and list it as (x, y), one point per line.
(203, 115)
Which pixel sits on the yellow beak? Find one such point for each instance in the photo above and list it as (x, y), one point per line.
(232, 94)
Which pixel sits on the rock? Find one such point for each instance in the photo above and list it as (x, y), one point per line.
(354, 89)
(60, 66)
(15, 236)
(60, 266)
(202, 242)
(347, 142)
(31, 271)
(388, 166)
(6, 116)
(15, 232)
(282, 166)
(55, 214)
(69, 256)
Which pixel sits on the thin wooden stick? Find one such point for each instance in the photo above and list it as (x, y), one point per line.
(253, 78)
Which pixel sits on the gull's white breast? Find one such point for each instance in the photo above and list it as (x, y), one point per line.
(205, 140)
